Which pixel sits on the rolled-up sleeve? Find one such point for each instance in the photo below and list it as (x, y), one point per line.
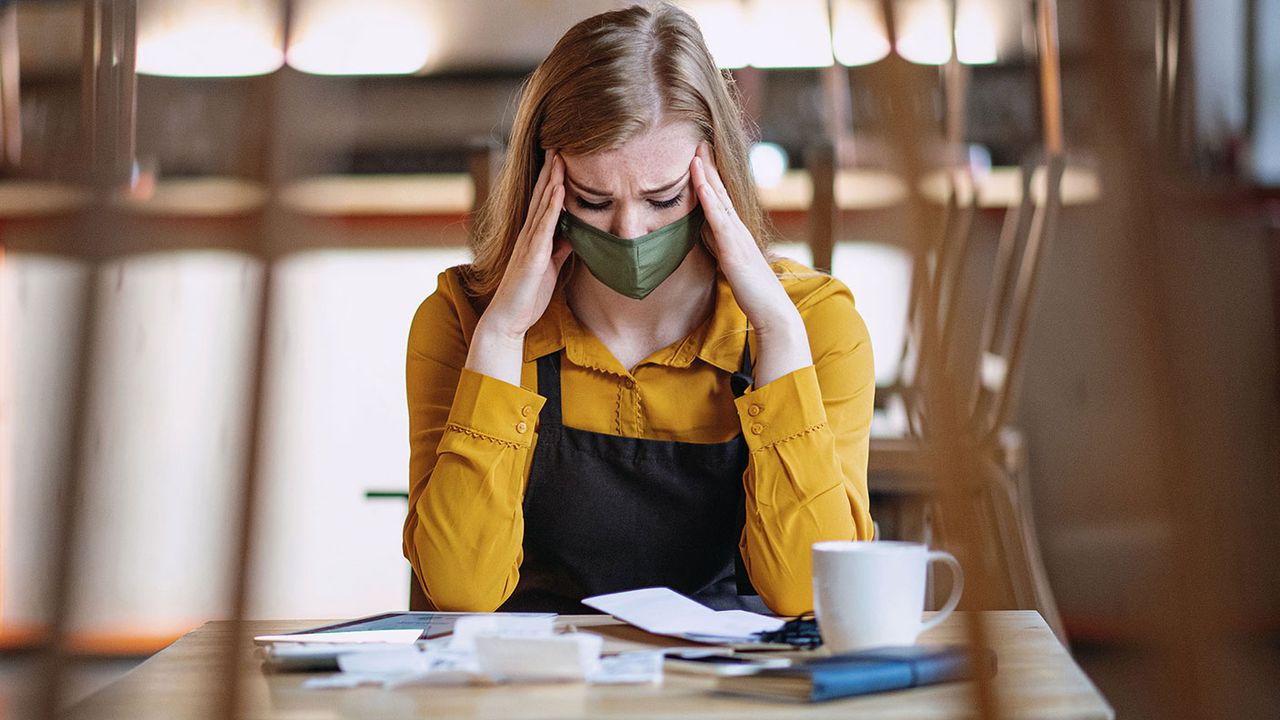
(808, 434)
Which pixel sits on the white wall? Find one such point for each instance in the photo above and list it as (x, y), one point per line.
(1266, 149)
(337, 425)
(1218, 51)
(40, 298)
(167, 409)
(166, 433)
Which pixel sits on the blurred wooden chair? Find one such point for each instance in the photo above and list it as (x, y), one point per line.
(1000, 496)
(897, 475)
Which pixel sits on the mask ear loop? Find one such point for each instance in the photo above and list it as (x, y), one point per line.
(703, 234)
(570, 263)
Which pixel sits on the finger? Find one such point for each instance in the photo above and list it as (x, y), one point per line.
(730, 239)
(713, 177)
(550, 209)
(545, 231)
(557, 171)
(696, 174)
(542, 233)
(711, 200)
(536, 197)
(542, 228)
(713, 208)
(528, 239)
(548, 160)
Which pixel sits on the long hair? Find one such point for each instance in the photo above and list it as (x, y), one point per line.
(610, 78)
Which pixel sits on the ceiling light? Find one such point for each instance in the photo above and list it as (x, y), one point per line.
(925, 31)
(724, 28)
(790, 34)
(209, 38)
(369, 37)
(859, 37)
(976, 33)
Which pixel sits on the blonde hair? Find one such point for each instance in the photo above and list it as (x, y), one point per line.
(610, 78)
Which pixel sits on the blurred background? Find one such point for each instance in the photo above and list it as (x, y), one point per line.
(217, 218)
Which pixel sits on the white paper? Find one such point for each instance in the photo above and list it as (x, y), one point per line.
(573, 657)
(467, 629)
(391, 681)
(342, 681)
(388, 660)
(392, 667)
(344, 638)
(663, 611)
(641, 667)
(556, 658)
(438, 678)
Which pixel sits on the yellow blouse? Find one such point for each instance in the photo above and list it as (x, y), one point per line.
(472, 436)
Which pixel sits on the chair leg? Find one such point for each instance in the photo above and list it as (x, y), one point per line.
(912, 518)
(417, 598)
(1044, 599)
(915, 523)
(1009, 494)
(1004, 570)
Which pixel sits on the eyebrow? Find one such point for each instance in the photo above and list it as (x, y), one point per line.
(650, 191)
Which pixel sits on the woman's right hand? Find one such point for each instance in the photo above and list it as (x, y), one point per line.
(528, 283)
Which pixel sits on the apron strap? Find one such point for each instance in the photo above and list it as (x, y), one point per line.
(740, 381)
(549, 388)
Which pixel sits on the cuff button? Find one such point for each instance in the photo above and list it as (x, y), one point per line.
(524, 411)
(521, 427)
(756, 428)
(754, 410)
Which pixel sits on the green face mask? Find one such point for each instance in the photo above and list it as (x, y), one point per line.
(635, 266)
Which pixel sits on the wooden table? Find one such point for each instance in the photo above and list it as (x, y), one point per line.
(1036, 678)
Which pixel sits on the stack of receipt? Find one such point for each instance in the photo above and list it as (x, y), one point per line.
(482, 649)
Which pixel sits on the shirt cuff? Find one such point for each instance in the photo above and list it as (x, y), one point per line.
(492, 408)
(786, 408)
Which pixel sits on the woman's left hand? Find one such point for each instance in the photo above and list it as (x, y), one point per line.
(784, 342)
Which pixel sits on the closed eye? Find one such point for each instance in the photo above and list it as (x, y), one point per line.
(662, 204)
(591, 206)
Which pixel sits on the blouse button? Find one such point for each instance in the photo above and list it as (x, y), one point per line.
(522, 427)
(524, 411)
(756, 428)
(754, 410)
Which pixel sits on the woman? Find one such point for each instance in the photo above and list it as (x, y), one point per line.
(588, 409)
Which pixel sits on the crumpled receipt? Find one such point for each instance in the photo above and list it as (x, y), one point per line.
(495, 649)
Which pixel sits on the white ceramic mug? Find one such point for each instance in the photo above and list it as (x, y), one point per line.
(871, 593)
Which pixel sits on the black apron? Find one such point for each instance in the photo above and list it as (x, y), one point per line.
(605, 513)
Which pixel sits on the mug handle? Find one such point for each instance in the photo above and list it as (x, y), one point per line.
(957, 587)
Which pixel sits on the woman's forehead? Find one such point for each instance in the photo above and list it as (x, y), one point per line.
(648, 161)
